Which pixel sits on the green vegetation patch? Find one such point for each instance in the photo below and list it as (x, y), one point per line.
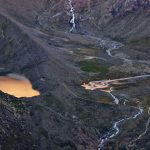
(54, 103)
(93, 66)
(145, 40)
(141, 43)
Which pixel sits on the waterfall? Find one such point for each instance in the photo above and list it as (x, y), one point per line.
(72, 21)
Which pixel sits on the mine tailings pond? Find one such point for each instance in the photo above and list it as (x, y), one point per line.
(17, 85)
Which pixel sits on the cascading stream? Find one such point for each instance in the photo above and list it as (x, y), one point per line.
(146, 127)
(106, 86)
(116, 128)
(72, 21)
(109, 45)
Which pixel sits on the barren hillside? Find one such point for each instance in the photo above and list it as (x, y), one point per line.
(90, 62)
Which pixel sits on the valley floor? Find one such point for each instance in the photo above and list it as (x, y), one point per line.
(110, 114)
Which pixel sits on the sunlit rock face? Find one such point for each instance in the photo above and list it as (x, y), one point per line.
(17, 85)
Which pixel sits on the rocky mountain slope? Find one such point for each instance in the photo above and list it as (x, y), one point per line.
(112, 18)
(35, 40)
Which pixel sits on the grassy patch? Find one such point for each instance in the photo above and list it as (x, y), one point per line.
(54, 103)
(50, 100)
(88, 96)
(93, 66)
(140, 44)
(145, 40)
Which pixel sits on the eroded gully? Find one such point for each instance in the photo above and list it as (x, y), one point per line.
(107, 86)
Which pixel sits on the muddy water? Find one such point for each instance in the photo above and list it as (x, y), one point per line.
(17, 85)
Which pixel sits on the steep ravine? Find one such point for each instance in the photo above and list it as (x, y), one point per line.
(107, 86)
